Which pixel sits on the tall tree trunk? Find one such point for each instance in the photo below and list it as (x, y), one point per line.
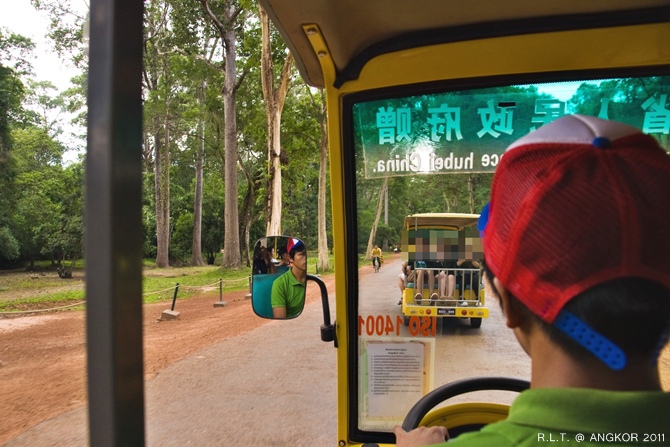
(373, 231)
(247, 214)
(231, 243)
(162, 181)
(471, 192)
(274, 104)
(322, 264)
(196, 249)
(385, 242)
(447, 202)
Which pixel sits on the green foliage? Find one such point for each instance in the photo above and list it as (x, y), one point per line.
(9, 246)
(67, 29)
(212, 216)
(15, 52)
(41, 201)
(182, 236)
(34, 149)
(11, 93)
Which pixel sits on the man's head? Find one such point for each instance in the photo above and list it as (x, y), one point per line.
(577, 207)
(297, 253)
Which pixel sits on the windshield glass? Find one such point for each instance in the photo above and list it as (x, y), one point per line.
(424, 314)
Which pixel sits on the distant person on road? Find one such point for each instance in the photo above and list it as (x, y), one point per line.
(289, 290)
(376, 256)
(576, 248)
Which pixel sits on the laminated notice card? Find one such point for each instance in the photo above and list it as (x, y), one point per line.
(398, 375)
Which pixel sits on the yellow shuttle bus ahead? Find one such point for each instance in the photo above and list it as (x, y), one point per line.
(442, 275)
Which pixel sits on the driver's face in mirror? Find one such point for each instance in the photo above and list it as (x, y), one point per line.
(278, 285)
(299, 260)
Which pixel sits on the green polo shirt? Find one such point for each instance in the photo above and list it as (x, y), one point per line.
(288, 292)
(578, 417)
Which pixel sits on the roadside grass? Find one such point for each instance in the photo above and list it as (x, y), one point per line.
(159, 284)
(22, 291)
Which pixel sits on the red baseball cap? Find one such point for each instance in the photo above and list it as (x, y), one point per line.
(574, 204)
(294, 243)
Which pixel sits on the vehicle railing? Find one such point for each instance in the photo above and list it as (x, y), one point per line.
(474, 282)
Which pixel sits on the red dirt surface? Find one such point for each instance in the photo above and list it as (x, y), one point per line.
(43, 357)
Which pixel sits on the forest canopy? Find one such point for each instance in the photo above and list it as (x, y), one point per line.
(219, 173)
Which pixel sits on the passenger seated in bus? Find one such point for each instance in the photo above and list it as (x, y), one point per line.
(589, 304)
(289, 289)
(406, 276)
(428, 273)
(284, 259)
(262, 263)
(467, 280)
(447, 281)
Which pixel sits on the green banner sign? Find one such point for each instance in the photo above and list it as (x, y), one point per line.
(468, 131)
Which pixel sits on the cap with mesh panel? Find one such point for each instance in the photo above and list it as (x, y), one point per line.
(574, 204)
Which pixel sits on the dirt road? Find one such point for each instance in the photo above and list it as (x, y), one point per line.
(217, 376)
(42, 358)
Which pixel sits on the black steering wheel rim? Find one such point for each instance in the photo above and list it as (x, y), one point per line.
(449, 390)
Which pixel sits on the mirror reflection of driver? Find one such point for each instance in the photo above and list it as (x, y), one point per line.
(288, 291)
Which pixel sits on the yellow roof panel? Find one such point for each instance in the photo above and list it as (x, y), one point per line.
(457, 221)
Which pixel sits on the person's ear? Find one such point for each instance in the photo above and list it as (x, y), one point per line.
(513, 317)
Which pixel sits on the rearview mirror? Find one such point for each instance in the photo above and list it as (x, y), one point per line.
(279, 275)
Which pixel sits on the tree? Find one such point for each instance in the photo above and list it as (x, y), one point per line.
(37, 214)
(212, 215)
(67, 29)
(9, 246)
(274, 104)
(14, 53)
(318, 103)
(47, 107)
(68, 36)
(70, 236)
(11, 93)
(196, 246)
(165, 108)
(373, 231)
(223, 17)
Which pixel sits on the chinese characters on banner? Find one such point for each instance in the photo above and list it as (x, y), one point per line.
(469, 133)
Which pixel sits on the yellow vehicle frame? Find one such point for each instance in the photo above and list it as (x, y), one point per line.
(351, 49)
(622, 48)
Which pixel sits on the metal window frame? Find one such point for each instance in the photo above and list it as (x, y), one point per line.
(113, 225)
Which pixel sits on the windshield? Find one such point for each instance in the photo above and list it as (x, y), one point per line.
(425, 317)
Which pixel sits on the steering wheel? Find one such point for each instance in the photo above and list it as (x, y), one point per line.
(439, 395)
